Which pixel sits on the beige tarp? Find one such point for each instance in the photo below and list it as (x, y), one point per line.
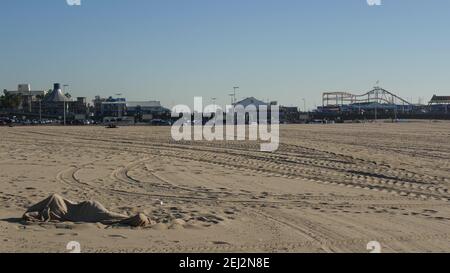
(56, 208)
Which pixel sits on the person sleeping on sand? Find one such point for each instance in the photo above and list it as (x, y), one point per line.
(57, 209)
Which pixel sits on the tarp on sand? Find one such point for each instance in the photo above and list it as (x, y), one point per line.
(57, 209)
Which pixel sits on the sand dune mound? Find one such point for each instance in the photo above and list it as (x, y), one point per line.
(57, 209)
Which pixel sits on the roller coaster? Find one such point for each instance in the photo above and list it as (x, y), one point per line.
(376, 97)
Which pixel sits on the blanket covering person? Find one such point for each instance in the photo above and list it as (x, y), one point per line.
(57, 209)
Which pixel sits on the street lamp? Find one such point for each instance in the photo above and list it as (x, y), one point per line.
(119, 105)
(40, 110)
(214, 104)
(234, 93)
(64, 102)
(232, 96)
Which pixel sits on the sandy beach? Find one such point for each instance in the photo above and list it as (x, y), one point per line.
(329, 188)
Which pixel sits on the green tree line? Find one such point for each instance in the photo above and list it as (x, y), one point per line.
(10, 101)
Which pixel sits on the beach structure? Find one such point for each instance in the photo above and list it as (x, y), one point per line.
(26, 91)
(147, 110)
(109, 107)
(439, 104)
(377, 100)
(121, 109)
(289, 114)
(37, 104)
(56, 101)
(377, 97)
(26, 97)
(56, 95)
(252, 102)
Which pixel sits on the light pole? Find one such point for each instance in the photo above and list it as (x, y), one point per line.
(231, 96)
(234, 92)
(215, 107)
(214, 103)
(64, 102)
(40, 110)
(119, 105)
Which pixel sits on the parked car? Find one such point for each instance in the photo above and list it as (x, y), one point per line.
(5, 121)
(159, 122)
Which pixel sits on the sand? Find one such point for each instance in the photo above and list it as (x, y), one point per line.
(329, 188)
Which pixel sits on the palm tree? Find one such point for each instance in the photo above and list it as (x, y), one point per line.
(47, 94)
(11, 101)
(2, 99)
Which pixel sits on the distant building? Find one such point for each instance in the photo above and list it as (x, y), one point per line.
(289, 114)
(25, 90)
(56, 96)
(27, 97)
(54, 102)
(110, 107)
(147, 110)
(440, 100)
(37, 104)
(440, 104)
(251, 101)
(118, 108)
(80, 108)
(97, 107)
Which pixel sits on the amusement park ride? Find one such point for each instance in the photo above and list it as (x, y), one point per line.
(376, 101)
(377, 96)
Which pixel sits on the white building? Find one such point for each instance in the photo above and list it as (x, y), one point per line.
(25, 90)
(28, 96)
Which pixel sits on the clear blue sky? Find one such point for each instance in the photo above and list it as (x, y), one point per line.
(173, 50)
